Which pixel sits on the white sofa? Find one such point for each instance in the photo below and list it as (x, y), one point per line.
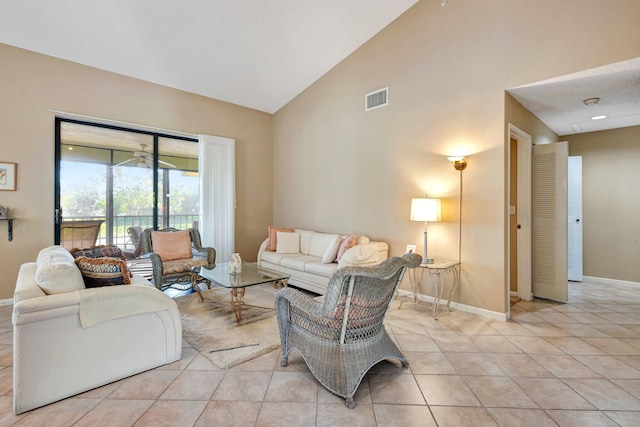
(71, 339)
(306, 267)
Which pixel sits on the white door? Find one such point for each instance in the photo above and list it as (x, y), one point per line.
(574, 219)
(549, 213)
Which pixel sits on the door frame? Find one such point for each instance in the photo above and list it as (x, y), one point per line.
(524, 190)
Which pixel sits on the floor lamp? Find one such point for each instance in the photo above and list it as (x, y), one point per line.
(459, 163)
(427, 210)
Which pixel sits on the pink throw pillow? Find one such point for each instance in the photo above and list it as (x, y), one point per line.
(347, 243)
(273, 236)
(171, 245)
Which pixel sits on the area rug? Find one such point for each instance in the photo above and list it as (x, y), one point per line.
(211, 328)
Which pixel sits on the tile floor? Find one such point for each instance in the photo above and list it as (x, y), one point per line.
(575, 364)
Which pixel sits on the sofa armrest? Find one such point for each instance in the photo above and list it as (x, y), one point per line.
(45, 304)
(26, 286)
(206, 252)
(158, 269)
(108, 303)
(263, 248)
(94, 305)
(371, 253)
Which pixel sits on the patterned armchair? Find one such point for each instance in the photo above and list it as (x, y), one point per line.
(175, 273)
(342, 338)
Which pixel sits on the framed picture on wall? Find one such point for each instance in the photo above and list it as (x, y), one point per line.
(7, 176)
(410, 249)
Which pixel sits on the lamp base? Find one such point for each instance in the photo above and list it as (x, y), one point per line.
(427, 261)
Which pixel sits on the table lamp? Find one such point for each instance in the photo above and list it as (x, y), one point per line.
(427, 210)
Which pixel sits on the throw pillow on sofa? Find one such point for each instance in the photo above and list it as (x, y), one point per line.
(348, 242)
(273, 236)
(332, 251)
(288, 243)
(98, 252)
(105, 271)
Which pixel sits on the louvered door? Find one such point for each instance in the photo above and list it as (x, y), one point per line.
(550, 221)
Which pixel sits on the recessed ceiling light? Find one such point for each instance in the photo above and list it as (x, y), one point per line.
(598, 117)
(591, 101)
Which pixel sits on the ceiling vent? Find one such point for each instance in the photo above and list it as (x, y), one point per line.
(377, 99)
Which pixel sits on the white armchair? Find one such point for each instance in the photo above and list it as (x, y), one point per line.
(72, 339)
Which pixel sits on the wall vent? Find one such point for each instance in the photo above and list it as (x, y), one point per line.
(376, 99)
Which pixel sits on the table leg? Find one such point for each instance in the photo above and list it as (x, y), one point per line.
(280, 283)
(415, 279)
(456, 283)
(194, 285)
(237, 295)
(439, 286)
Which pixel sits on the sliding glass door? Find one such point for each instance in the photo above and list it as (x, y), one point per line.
(112, 182)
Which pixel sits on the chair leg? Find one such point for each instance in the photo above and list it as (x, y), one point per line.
(350, 403)
(284, 361)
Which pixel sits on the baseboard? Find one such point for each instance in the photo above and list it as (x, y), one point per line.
(8, 301)
(516, 294)
(459, 306)
(609, 281)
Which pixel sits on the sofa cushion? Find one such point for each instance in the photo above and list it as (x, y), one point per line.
(305, 240)
(56, 273)
(288, 243)
(348, 242)
(332, 250)
(298, 262)
(170, 245)
(105, 271)
(98, 252)
(275, 258)
(181, 265)
(319, 243)
(273, 237)
(325, 270)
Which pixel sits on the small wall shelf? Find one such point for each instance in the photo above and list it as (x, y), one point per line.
(9, 227)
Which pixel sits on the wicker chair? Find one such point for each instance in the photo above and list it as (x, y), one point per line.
(176, 274)
(342, 338)
(79, 234)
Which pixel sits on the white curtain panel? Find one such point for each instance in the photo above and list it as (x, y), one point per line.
(216, 164)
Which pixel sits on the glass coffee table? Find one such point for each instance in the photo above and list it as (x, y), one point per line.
(251, 275)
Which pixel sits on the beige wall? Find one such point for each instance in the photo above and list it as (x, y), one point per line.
(31, 84)
(338, 168)
(610, 202)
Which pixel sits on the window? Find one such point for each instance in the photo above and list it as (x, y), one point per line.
(124, 177)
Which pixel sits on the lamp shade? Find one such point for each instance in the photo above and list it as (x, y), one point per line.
(425, 209)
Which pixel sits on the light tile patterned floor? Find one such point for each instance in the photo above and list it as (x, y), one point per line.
(575, 364)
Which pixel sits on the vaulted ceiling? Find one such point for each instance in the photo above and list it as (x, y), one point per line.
(262, 53)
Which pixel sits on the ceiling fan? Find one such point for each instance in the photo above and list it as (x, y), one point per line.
(144, 160)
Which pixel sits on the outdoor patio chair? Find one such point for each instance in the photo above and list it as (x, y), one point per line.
(79, 234)
(134, 233)
(171, 265)
(343, 337)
